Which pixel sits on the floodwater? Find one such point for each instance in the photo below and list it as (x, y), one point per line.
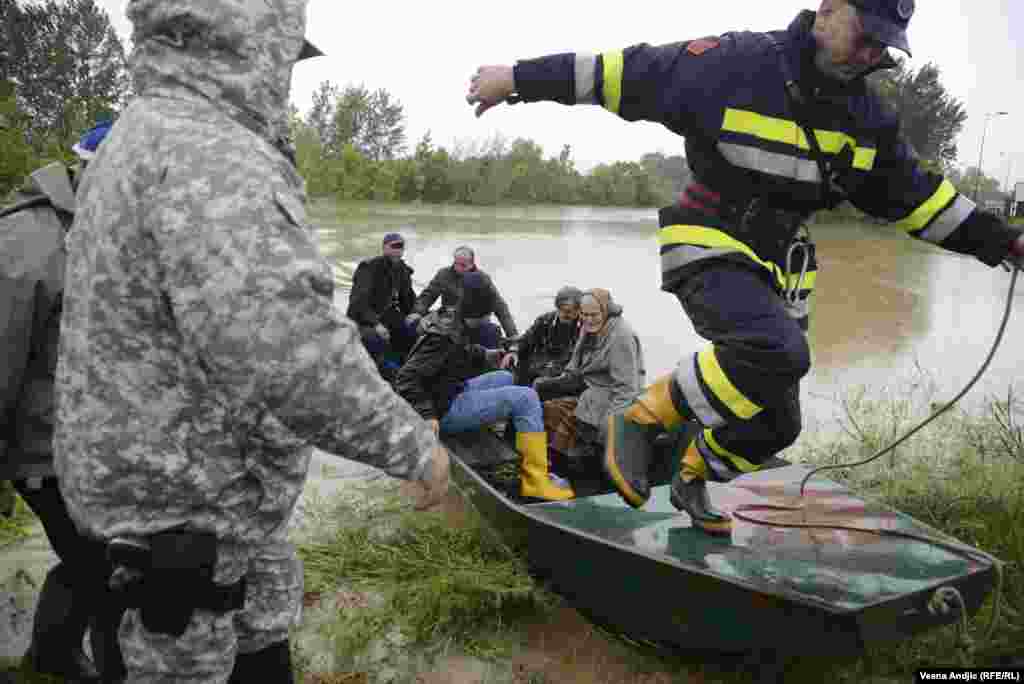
(888, 311)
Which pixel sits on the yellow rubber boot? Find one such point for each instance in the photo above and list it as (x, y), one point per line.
(629, 451)
(534, 475)
(689, 494)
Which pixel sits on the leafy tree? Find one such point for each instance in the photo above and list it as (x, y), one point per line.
(930, 117)
(321, 115)
(967, 181)
(384, 132)
(16, 157)
(673, 170)
(67, 64)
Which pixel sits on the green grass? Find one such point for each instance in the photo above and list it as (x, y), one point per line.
(437, 583)
(18, 526)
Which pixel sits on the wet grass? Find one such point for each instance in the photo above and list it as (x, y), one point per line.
(414, 578)
(18, 525)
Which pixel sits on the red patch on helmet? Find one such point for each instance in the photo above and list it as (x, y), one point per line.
(701, 45)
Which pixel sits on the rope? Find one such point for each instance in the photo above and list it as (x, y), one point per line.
(949, 405)
(939, 604)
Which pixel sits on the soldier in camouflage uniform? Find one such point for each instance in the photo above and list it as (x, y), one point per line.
(201, 357)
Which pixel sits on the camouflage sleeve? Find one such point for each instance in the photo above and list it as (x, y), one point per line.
(252, 295)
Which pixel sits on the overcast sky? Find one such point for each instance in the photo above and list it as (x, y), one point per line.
(423, 53)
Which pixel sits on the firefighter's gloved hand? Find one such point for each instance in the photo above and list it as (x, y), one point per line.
(1016, 256)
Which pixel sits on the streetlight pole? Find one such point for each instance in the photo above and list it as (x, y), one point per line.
(981, 152)
(1006, 184)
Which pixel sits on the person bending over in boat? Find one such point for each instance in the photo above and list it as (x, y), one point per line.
(447, 284)
(544, 349)
(604, 373)
(446, 380)
(777, 125)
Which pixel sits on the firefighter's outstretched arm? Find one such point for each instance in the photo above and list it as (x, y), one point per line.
(681, 85)
(490, 85)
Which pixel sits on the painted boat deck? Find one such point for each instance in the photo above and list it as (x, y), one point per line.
(839, 569)
(649, 574)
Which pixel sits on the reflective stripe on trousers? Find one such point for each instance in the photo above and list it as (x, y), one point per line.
(743, 386)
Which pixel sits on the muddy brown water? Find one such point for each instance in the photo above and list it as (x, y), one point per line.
(887, 308)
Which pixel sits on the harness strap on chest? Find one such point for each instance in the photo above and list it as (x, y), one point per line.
(831, 196)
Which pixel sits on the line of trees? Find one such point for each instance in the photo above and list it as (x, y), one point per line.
(352, 145)
(62, 67)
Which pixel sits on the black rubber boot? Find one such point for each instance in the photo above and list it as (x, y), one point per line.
(106, 651)
(58, 628)
(632, 433)
(272, 665)
(689, 493)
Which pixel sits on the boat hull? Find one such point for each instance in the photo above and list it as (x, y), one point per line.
(772, 585)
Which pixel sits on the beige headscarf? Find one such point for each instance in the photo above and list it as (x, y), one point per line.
(608, 307)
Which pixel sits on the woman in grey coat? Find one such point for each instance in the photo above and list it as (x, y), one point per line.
(605, 373)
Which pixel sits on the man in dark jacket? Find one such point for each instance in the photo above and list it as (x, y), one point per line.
(545, 348)
(32, 275)
(382, 297)
(447, 284)
(778, 125)
(452, 383)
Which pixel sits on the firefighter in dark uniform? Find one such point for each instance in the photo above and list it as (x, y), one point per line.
(778, 125)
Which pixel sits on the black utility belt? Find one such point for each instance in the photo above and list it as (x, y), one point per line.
(169, 575)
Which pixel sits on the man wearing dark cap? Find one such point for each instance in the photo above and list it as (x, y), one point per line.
(778, 125)
(382, 297)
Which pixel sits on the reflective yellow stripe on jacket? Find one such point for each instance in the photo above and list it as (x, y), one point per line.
(760, 137)
(939, 215)
(611, 81)
(714, 242)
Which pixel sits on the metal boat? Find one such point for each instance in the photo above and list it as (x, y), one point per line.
(827, 573)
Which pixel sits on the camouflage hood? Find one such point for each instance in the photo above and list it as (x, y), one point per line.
(238, 54)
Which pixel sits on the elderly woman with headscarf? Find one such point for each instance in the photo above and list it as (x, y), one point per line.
(545, 349)
(606, 370)
(452, 384)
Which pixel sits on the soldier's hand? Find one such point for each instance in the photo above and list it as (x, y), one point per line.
(435, 479)
(435, 425)
(490, 85)
(509, 361)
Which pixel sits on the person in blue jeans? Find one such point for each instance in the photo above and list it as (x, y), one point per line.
(457, 386)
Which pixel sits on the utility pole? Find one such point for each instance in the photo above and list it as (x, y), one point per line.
(981, 152)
